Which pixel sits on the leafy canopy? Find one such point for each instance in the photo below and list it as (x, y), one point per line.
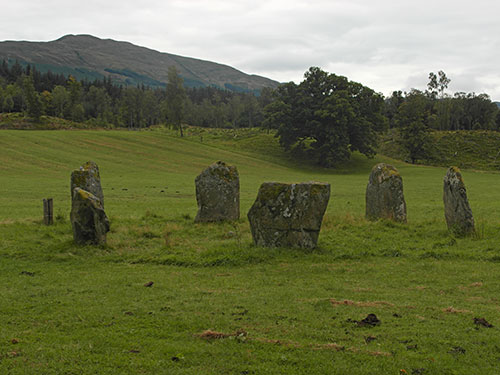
(412, 118)
(326, 117)
(176, 97)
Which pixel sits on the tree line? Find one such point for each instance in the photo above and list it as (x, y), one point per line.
(104, 103)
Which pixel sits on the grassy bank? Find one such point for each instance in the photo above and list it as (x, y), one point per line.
(475, 149)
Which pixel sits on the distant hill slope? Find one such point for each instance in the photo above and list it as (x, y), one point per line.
(86, 56)
(472, 149)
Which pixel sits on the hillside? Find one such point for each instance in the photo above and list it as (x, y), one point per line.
(86, 56)
(475, 149)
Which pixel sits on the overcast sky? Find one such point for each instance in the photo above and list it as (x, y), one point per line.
(384, 44)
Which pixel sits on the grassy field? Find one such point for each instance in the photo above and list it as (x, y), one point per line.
(219, 305)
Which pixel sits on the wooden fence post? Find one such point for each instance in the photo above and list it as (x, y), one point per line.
(48, 211)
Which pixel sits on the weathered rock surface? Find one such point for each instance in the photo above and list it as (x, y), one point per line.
(87, 178)
(457, 211)
(218, 193)
(288, 215)
(384, 194)
(88, 219)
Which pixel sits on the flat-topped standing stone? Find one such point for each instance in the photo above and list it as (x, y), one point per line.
(87, 178)
(288, 215)
(88, 219)
(218, 193)
(384, 194)
(457, 211)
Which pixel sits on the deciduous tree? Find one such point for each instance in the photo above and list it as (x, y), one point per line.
(175, 97)
(327, 117)
(412, 119)
(32, 99)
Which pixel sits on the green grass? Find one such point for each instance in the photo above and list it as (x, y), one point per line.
(85, 310)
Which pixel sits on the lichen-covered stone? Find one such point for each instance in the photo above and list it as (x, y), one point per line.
(288, 215)
(88, 219)
(457, 211)
(218, 193)
(384, 194)
(87, 178)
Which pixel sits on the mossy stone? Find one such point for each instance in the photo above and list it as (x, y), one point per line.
(288, 215)
(457, 211)
(218, 193)
(87, 177)
(88, 219)
(384, 194)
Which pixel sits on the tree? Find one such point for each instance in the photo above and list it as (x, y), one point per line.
(276, 115)
(175, 96)
(438, 84)
(235, 110)
(326, 117)
(60, 100)
(33, 102)
(251, 112)
(219, 111)
(412, 119)
(481, 112)
(2, 94)
(97, 104)
(131, 111)
(16, 71)
(8, 104)
(76, 111)
(392, 104)
(150, 108)
(46, 99)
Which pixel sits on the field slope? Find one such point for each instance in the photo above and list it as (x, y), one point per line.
(219, 305)
(472, 149)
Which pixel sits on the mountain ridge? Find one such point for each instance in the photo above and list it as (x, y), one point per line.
(87, 56)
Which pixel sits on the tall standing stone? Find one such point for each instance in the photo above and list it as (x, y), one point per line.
(218, 193)
(384, 194)
(87, 178)
(88, 219)
(457, 211)
(288, 215)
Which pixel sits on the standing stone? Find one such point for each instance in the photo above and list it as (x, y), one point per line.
(87, 178)
(457, 211)
(89, 221)
(384, 194)
(218, 193)
(288, 215)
